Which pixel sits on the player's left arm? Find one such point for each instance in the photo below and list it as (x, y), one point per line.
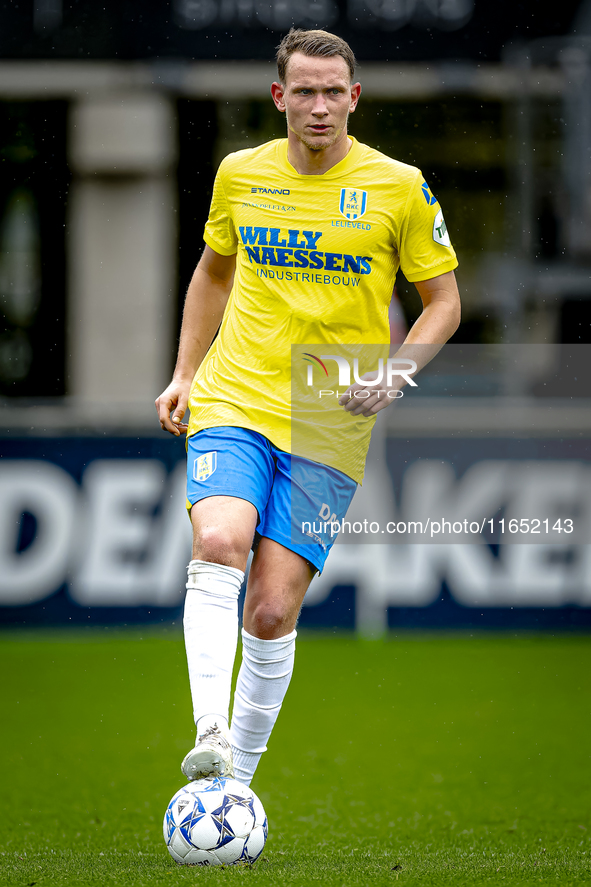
(440, 316)
(437, 322)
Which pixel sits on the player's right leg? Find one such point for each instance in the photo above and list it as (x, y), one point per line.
(223, 528)
(229, 476)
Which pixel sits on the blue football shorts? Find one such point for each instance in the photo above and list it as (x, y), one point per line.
(297, 500)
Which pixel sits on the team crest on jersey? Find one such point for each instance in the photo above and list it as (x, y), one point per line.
(353, 203)
(204, 466)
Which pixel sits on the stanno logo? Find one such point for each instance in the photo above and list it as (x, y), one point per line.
(270, 191)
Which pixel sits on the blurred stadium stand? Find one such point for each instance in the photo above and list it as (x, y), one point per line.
(114, 120)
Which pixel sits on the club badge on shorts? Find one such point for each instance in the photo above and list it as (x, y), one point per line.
(353, 202)
(204, 466)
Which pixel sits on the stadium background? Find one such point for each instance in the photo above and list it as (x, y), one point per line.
(113, 123)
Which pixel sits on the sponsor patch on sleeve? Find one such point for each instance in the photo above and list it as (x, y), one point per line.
(440, 234)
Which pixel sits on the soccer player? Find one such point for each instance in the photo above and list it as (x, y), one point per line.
(303, 241)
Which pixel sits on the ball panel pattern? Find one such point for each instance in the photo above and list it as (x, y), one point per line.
(200, 857)
(258, 810)
(240, 819)
(178, 847)
(203, 832)
(215, 821)
(255, 842)
(232, 852)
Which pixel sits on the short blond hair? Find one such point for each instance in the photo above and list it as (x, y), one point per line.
(313, 43)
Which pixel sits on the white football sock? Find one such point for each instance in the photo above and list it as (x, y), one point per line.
(211, 635)
(262, 684)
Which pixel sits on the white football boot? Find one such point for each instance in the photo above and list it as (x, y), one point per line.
(212, 756)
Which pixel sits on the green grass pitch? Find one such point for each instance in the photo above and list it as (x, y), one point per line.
(417, 759)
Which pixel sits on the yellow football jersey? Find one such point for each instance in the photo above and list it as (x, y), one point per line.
(316, 261)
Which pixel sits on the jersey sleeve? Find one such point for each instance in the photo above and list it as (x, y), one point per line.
(220, 233)
(424, 249)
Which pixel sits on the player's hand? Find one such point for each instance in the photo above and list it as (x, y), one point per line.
(173, 400)
(374, 398)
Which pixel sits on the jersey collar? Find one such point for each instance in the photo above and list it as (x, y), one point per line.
(334, 172)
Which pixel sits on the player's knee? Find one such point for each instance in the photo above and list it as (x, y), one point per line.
(219, 545)
(270, 620)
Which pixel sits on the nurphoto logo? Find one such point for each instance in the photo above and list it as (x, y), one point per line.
(400, 367)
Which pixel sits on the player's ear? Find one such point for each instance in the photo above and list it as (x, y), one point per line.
(278, 91)
(355, 93)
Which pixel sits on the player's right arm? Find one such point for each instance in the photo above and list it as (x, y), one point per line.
(205, 303)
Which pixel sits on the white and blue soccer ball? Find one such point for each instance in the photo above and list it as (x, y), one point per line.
(215, 821)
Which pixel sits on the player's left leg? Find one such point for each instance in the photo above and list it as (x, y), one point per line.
(277, 583)
(285, 561)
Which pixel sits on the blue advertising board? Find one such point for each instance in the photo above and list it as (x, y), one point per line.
(94, 531)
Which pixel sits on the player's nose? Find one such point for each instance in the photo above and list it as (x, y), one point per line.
(319, 108)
